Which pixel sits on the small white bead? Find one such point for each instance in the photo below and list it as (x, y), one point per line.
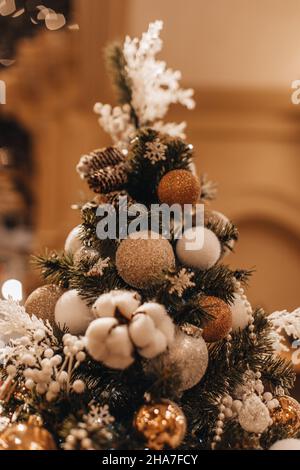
(217, 438)
(252, 336)
(45, 363)
(251, 328)
(78, 386)
(228, 413)
(50, 396)
(80, 356)
(227, 400)
(63, 377)
(267, 396)
(81, 434)
(29, 384)
(56, 360)
(219, 431)
(259, 388)
(237, 405)
(258, 375)
(221, 416)
(39, 335)
(219, 424)
(28, 359)
(54, 387)
(48, 353)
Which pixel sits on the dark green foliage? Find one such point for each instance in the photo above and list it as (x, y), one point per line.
(144, 177)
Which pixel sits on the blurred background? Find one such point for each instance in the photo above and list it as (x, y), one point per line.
(240, 56)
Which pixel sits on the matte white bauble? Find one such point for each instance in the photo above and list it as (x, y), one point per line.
(286, 444)
(73, 313)
(73, 242)
(198, 248)
(241, 312)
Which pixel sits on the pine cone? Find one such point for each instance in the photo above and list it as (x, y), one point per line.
(109, 179)
(99, 159)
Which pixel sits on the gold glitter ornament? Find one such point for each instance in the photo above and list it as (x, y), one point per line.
(162, 424)
(26, 436)
(41, 302)
(219, 327)
(288, 414)
(179, 187)
(142, 259)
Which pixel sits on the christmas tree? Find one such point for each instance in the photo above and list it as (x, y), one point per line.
(145, 339)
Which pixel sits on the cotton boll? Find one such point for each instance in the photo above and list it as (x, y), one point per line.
(104, 306)
(72, 312)
(73, 241)
(99, 329)
(118, 341)
(198, 250)
(97, 350)
(142, 330)
(286, 444)
(157, 346)
(127, 302)
(161, 319)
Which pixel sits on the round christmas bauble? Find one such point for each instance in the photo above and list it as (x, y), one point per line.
(188, 354)
(26, 436)
(219, 327)
(254, 416)
(218, 217)
(41, 302)
(142, 259)
(198, 248)
(179, 187)
(288, 414)
(85, 254)
(241, 312)
(73, 241)
(73, 313)
(286, 444)
(162, 424)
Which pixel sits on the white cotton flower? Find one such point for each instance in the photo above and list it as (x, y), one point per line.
(124, 326)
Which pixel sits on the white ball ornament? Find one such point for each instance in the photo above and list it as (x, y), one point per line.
(241, 313)
(72, 312)
(73, 241)
(254, 416)
(198, 248)
(286, 444)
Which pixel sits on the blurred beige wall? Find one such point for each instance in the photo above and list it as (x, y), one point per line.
(241, 56)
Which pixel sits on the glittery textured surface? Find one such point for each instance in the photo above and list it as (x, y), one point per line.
(26, 437)
(190, 355)
(142, 262)
(220, 326)
(42, 301)
(162, 424)
(287, 414)
(254, 415)
(179, 187)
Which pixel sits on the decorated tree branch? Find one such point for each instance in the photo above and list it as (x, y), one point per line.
(141, 341)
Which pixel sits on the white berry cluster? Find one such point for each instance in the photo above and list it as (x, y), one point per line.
(124, 327)
(43, 370)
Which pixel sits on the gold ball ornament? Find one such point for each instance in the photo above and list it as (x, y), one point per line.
(26, 436)
(288, 414)
(179, 187)
(142, 259)
(219, 327)
(162, 424)
(41, 302)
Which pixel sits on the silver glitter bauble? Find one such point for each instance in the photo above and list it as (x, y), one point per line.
(254, 416)
(188, 355)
